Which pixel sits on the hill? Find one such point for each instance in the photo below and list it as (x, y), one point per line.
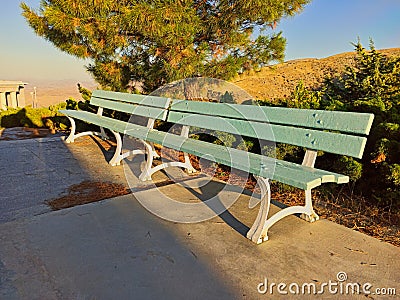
(279, 81)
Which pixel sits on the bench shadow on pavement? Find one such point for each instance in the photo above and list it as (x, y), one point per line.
(210, 190)
(203, 193)
(107, 153)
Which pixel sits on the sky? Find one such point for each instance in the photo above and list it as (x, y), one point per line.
(324, 28)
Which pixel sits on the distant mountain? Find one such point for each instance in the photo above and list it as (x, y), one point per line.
(50, 92)
(279, 81)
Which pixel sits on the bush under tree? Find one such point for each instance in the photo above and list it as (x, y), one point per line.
(372, 85)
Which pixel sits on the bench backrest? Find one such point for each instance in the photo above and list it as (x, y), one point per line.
(331, 131)
(146, 106)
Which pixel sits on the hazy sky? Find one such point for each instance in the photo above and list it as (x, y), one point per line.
(326, 27)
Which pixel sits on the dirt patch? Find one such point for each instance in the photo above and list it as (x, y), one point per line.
(88, 192)
(358, 214)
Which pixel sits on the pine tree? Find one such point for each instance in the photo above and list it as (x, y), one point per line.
(159, 41)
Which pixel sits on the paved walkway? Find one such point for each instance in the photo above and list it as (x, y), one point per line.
(116, 249)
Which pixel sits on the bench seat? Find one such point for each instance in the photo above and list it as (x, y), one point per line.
(95, 119)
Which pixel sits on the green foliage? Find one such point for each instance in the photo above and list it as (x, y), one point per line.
(284, 152)
(72, 104)
(349, 166)
(304, 98)
(224, 138)
(246, 145)
(8, 118)
(372, 85)
(394, 174)
(85, 93)
(32, 117)
(159, 41)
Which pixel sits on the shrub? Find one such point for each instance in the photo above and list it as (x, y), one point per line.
(371, 86)
(26, 117)
(34, 117)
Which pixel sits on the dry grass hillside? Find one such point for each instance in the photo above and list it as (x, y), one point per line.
(279, 81)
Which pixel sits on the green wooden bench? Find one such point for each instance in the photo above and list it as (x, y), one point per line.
(342, 133)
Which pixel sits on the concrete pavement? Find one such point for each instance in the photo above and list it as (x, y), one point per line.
(116, 249)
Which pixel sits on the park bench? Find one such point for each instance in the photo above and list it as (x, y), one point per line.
(342, 133)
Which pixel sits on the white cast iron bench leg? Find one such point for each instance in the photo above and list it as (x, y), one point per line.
(118, 155)
(73, 135)
(258, 232)
(150, 170)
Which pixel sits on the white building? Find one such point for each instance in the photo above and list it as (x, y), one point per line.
(12, 94)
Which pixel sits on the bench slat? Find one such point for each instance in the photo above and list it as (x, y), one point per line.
(311, 139)
(95, 119)
(285, 172)
(141, 110)
(160, 102)
(350, 122)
